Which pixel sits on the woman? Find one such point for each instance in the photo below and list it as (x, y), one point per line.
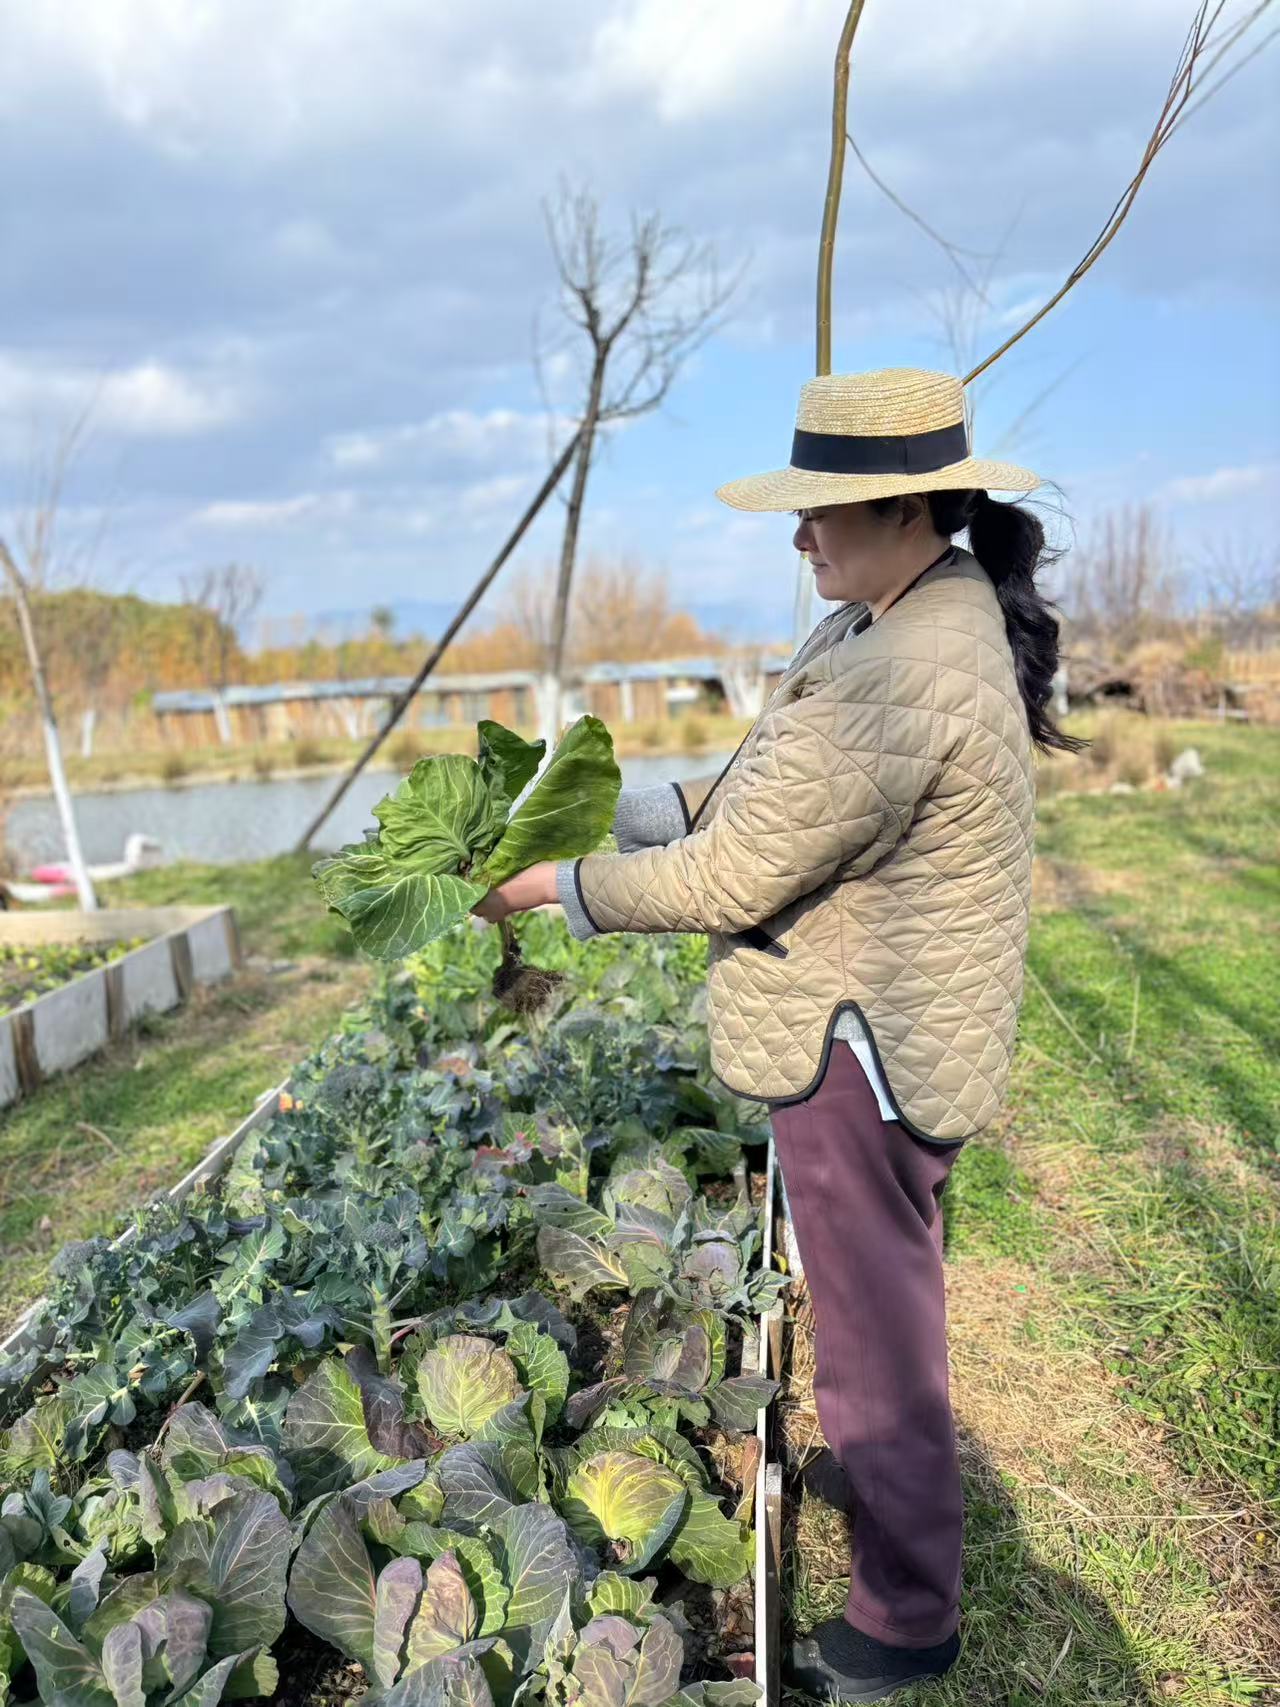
(863, 870)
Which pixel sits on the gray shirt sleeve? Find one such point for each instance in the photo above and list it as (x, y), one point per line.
(649, 817)
(644, 818)
(576, 915)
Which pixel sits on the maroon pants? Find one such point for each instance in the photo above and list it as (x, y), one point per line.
(864, 1199)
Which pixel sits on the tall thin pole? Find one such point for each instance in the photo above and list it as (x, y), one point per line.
(826, 260)
(401, 704)
(553, 711)
(835, 180)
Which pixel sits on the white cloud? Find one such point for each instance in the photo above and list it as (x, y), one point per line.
(1221, 484)
(452, 435)
(354, 187)
(149, 400)
(233, 74)
(153, 400)
(243, 514)
(494, 500)
(721, 54)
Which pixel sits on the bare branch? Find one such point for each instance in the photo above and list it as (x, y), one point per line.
(232, 591)
(952, 251)
(1017, 429)
(644, 306)
(1226, 77)
(1191, 62)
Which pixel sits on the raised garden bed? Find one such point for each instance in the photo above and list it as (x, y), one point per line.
(438, 1384)
(175, 949)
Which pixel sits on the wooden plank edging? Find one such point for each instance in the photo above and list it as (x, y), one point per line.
(39, 1025)
(768, 1500)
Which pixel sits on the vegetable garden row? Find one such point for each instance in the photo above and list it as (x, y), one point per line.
(436, 1395)
(29, 969)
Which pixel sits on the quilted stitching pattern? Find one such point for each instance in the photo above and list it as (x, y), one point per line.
(897, 756)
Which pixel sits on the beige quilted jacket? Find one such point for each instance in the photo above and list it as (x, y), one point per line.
(868, 849)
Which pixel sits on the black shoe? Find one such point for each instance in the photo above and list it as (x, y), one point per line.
(835, 1662)
(825, 1479)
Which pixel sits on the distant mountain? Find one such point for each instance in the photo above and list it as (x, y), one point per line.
(750, 621)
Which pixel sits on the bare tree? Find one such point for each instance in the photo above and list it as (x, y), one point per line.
(36, 544)
(1124, 585)
(621, 612)
(1242, 591)
(643, 304)
(232, 591)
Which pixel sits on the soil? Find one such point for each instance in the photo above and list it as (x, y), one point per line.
(313, 1675)
(720, 1624)
(599, 1332)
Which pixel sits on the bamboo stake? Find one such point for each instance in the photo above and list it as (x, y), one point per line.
(835, 180)
(802, 618)
(401, 705)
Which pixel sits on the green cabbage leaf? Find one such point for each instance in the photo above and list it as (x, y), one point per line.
(451, 831)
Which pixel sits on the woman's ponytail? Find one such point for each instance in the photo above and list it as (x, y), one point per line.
(1009, 543)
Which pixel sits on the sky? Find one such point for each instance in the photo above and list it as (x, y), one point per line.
(292, 262)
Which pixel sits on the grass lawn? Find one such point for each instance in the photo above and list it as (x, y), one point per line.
(1113, 1242)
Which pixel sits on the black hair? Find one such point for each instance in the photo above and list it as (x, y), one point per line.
(1008, 541)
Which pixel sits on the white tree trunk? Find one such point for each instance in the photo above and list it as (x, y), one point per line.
(1061, 704)
(548, 697)
(52, 746)
(743, 680)
(87, 721)
(66, 814)
(220, 718)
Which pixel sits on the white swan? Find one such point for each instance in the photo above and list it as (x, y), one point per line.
(141, 853)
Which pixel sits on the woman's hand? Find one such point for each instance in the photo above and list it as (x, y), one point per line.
(533, 888)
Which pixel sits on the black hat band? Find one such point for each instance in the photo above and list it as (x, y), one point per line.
(897, 453)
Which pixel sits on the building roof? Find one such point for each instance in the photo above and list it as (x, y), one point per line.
(191, 700)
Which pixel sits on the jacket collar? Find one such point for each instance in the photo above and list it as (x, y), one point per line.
(855, 616)
(845, 619)
(946, 562)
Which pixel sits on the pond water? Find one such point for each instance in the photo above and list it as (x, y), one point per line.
(221, 822)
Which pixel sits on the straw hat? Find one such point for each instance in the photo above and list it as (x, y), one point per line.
(876, 435)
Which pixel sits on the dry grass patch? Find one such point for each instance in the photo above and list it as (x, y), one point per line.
(1213, 1149)
(1092, 1480)
(1061, 885)
(1074, 1509)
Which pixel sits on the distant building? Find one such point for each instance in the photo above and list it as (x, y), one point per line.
(618, 693)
